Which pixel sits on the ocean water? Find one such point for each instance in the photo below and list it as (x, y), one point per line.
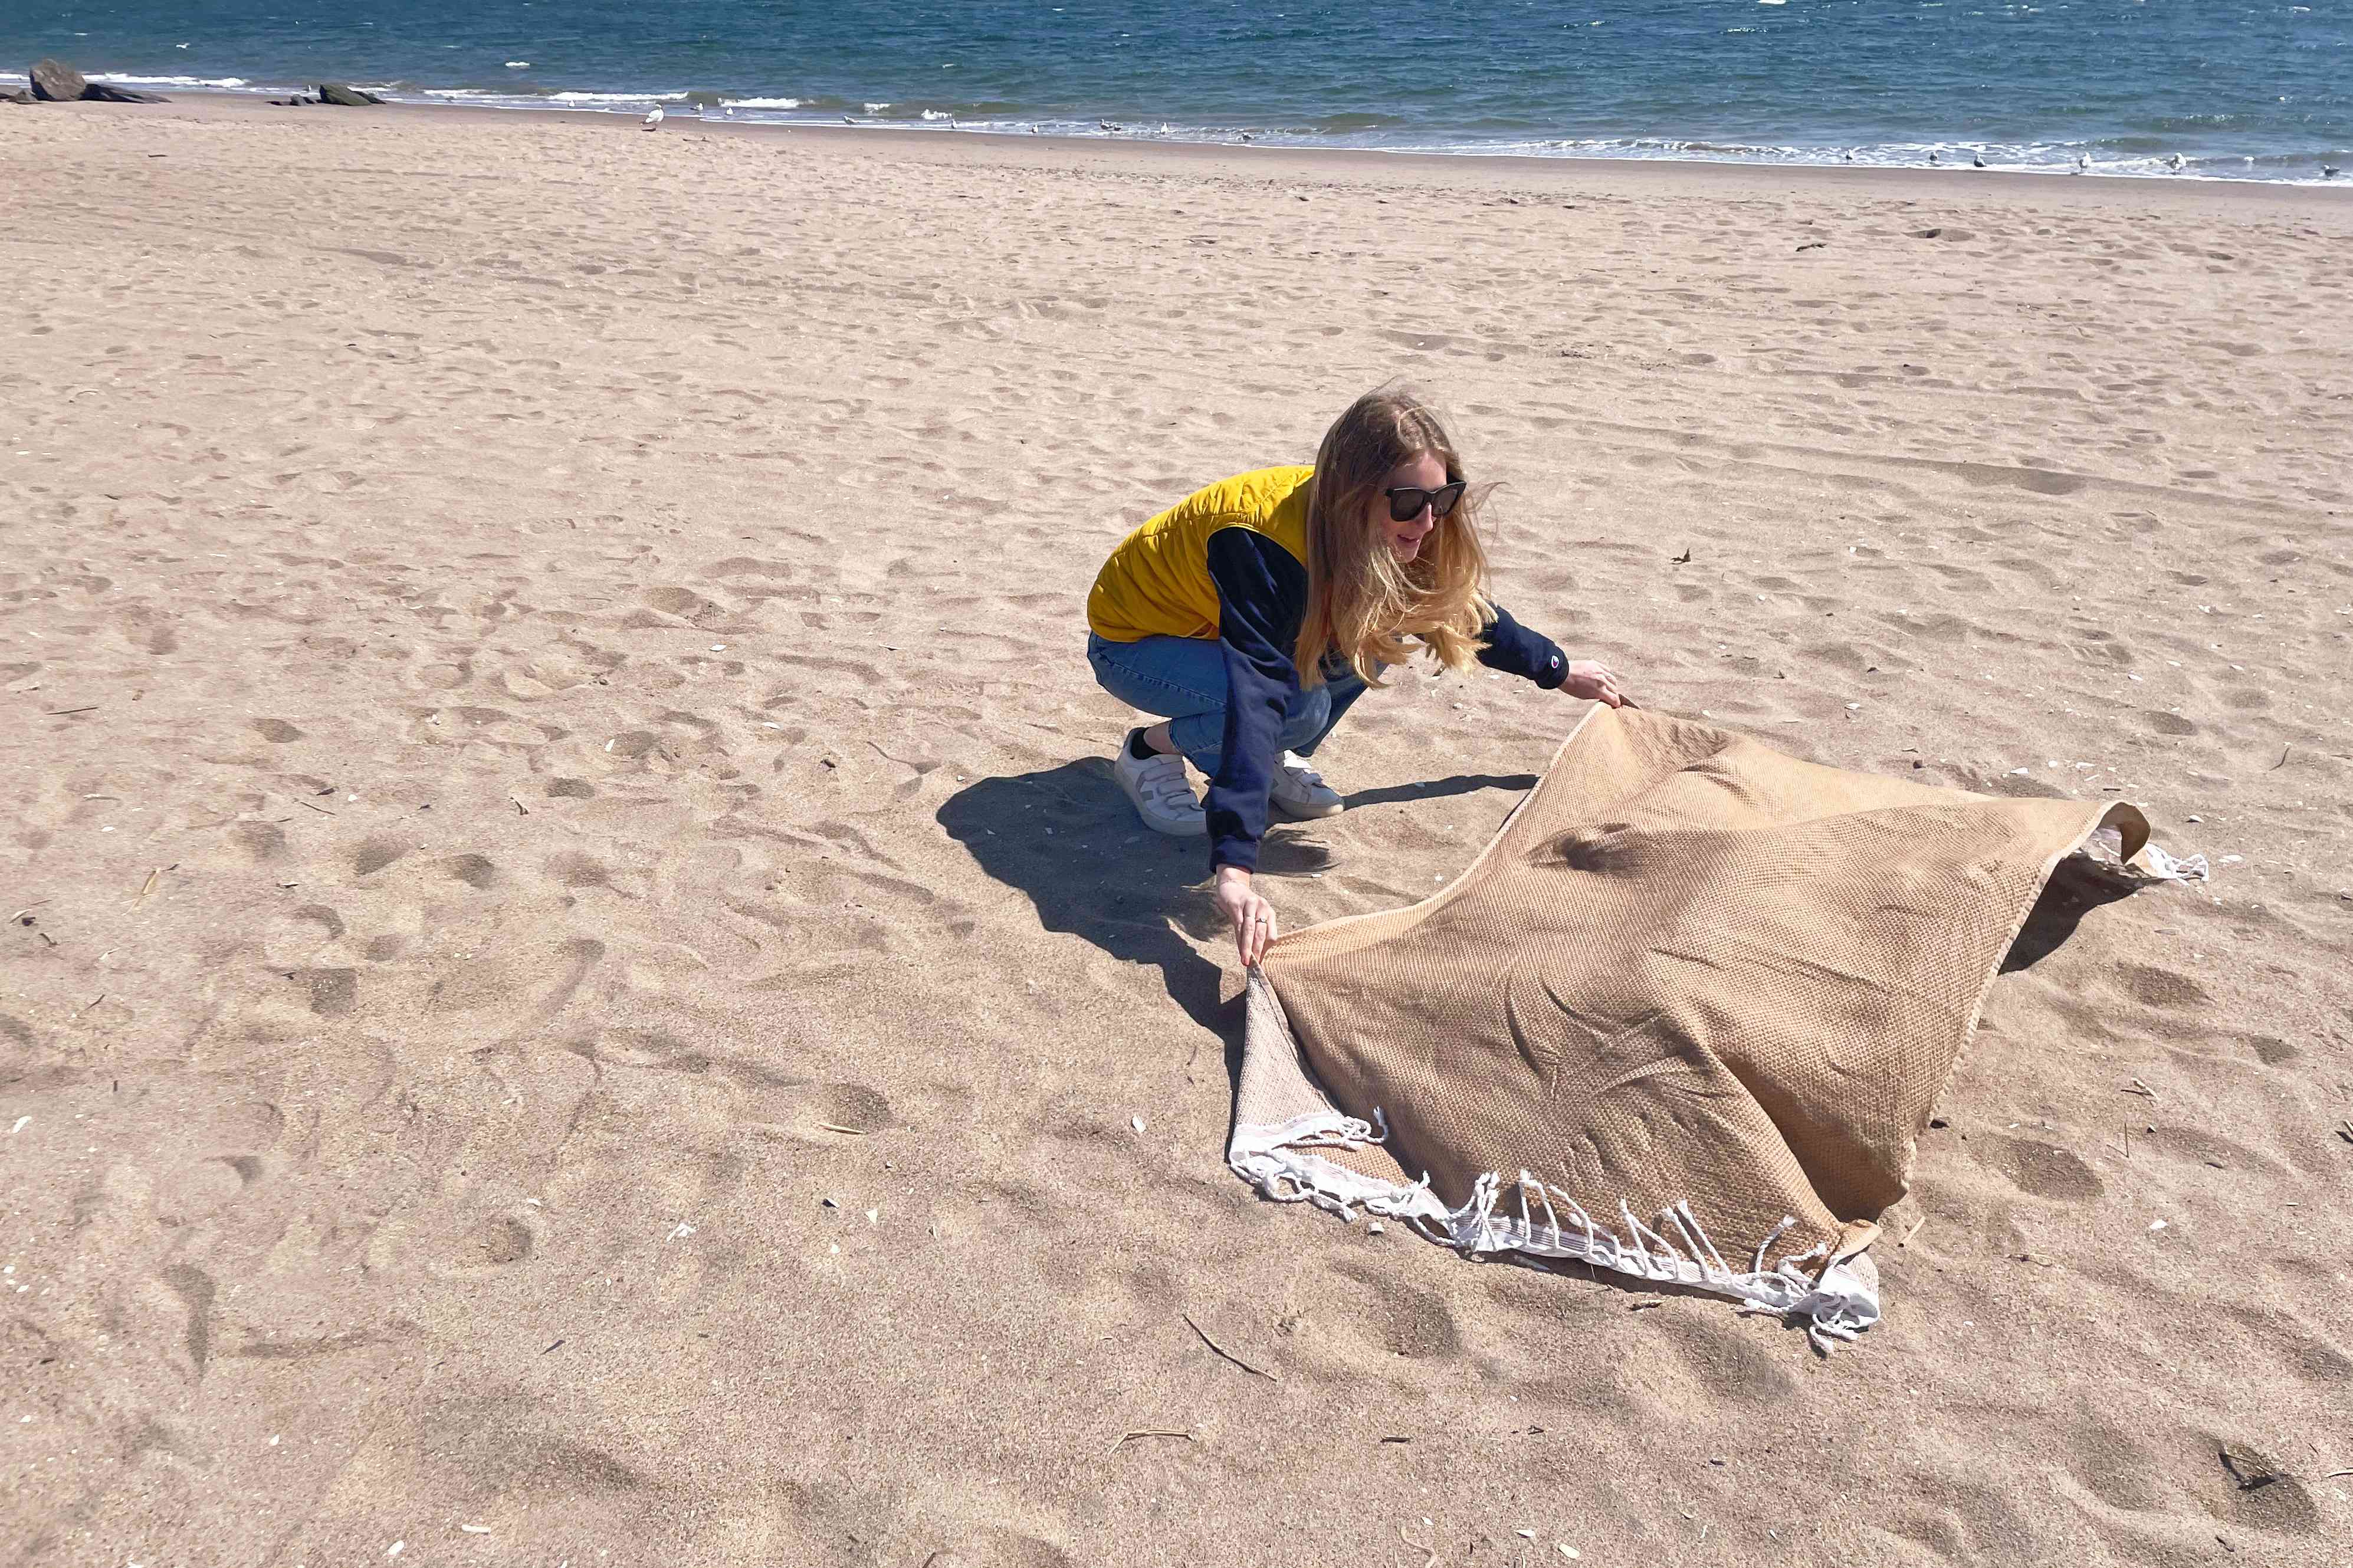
(2235, 88)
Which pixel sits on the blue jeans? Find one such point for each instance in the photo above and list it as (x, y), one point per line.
(1183, 679)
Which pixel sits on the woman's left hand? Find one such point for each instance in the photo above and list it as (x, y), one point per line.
(1591, 678)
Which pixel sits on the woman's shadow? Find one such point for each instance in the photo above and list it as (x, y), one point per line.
(1067, 837)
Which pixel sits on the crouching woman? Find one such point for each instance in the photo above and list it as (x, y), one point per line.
(1252, 615)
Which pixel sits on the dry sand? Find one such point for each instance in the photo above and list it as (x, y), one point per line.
(583, 974)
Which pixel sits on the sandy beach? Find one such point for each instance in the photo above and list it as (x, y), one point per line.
(579, 989)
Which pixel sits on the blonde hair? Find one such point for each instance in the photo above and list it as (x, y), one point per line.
(1363, 603)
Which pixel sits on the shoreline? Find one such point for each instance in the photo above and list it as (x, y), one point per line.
(1290, 161)
(216, 99)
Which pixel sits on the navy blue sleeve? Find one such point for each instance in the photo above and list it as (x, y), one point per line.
(1516, 650)
(1262, 598)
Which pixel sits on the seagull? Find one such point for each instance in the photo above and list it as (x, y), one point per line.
(2329, 171)
(2174, 162)
(653, 121)
(846, 121)
(2083, 163)
(1846, 157)
(1932, 159)
(952, 123)
(1976, 161)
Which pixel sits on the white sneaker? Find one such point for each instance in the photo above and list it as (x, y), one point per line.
(1300, 791)
(1162, 793)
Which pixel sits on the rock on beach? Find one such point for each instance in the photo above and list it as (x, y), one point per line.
(107, 92)
(54, 81)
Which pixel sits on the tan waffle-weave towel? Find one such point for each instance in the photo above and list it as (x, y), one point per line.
(1684, 1018)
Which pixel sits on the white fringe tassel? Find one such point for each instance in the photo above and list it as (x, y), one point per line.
(2164, 867)
(1835, 1303)
(2104, 849)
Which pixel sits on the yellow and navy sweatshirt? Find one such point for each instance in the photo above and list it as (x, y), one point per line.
(1229, 563)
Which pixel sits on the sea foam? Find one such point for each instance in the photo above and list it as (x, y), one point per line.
(120, 80)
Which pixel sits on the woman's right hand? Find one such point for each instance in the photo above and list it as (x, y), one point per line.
(1252, 916)
(1595, 682)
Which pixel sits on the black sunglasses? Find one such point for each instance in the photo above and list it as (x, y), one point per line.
(1406, 501)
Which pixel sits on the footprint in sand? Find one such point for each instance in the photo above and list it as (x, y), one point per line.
(202, 1188)
(496, 1242)
(2297, 1347)
(499, 1445)
(2251, 1488)
(574, 870)
(2162, 987)
(476, 871)
(2113, 1467)
(2044, 1170)
(996, 1548)
(377, 852)
(823, 1112)
(194, 1290)
(1364, 1317)
(332, 993)
(2272, 1051)
(294, 939)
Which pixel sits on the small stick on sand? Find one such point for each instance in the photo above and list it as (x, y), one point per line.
(150, 883)
(1255, 1372)
(1127, 1437)
(853, 1131)
(2281, 764)
(2137, 1086)
(322, 810)
(61, 712)
(1913, 1231)
(521, 809)
(2345, 1131)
